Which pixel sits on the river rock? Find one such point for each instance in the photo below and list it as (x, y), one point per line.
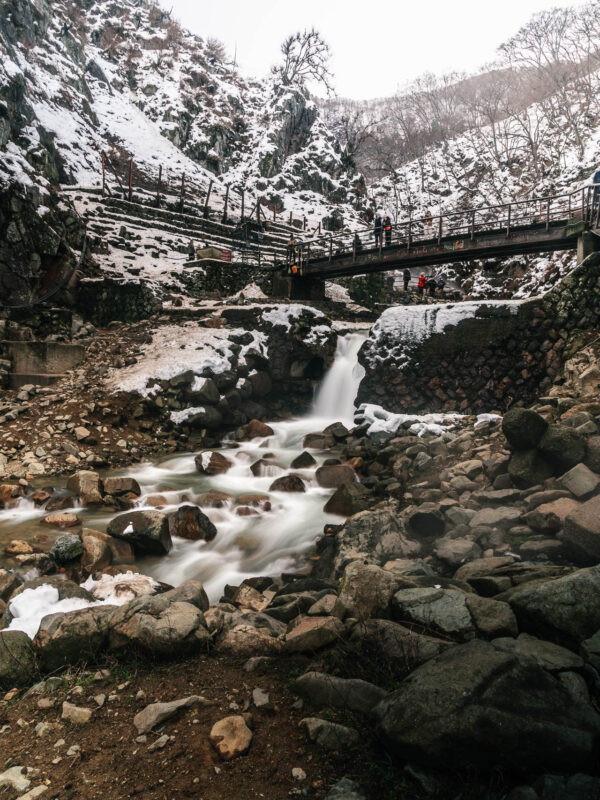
(287, 483)
(18, 547)
(156, 713)
(211, 462)
(313, 633)
(97, 553)
(367, 590)
(146, 531)
(318, 441)
(66, 548)
(580, 481)
(562, 448)
(527, 468)
(188, 522)
(87, 485)
(549, 517)
(348, 499)
(396, 644)
(546, 654)
(9, 582)
(476, 705)
(231, 737)
(247, 641)
(255, 429)
(17, 659)
(117, 487)
(353, 694)
(68, 639)
(62, 520)
(501, 517)
(334, 475)
(329, 735)
(372, 536)
(523, 428)
(10, 494)
(455, 551)
(303, 461)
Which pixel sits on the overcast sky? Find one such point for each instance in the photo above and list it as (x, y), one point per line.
(376, 47)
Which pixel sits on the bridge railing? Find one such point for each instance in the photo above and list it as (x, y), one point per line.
(508, 218)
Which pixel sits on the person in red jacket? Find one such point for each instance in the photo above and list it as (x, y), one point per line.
(421, 284)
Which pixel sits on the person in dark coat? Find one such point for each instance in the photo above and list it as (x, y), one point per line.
(378, 230)
(406, 277)
(387, 230)
(356, 243)
(441, 283)
(431, 285)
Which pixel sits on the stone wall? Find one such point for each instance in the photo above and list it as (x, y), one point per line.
(105, 300)
(223, 278)
(504, 354)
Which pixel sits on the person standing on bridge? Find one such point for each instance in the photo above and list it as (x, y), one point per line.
(428, 222)
(387, 229)
(406, 276)
(378, 230)
(356, 243)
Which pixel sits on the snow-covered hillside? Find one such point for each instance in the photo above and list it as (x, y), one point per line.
(80, 77)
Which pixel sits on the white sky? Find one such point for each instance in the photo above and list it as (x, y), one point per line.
(376, 48)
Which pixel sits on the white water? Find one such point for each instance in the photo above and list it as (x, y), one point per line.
(266, 544)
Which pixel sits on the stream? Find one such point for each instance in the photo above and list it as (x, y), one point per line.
(265, 544)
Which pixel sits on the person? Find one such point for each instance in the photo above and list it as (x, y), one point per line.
(291, 247)
(390, 281)
(421, 283)
(191, 249)
(406, 277)
(428, 222)
(441, 282)
(356, 243)
(387, 229)
(378, 230)
(431, 285)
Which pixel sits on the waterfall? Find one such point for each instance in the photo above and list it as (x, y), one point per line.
(336, 395)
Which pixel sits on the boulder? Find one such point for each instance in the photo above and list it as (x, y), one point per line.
(78, 636)
(9, 582)
(580, 481)
(475, 705)
(256, 429)
(501, 517)
(367, 590)
(527, 468)
(17, 659)
(303, 461)
(351, 694)
(247, 641)
(427, 521)
(189, 522)
(581, 533)
(65, 589)
(287, 483)
(97, 553)
(313, 633)
(396, 644)
(87, 485)
(565, 610)
(550, 517)
(562, 448)
(546, 654)
(334, 475)
(590, 650)
(10, 494)
(204, 391)
(117, 487)
(523, 428)
(456, 551)
(231, 737)
(157, 713)
(62, 520)
(146, 531)
(346, 790)
(66, 548)
(375, 537)
(211, 462)
(348, 499)
(77, 715)
(330, 735)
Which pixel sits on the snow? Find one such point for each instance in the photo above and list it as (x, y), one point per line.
(119, 589)
(180, 416)
(32, 605)
(129, 528)
(285, 315)
(250, 292)
(483, 418)
(378, 421)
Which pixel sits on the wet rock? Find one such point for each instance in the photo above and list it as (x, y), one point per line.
(255, 429)
(17, 659)
(527, 468)
(353, 694)
(404, 648)
(303, 461)
(580, 481)
(287, 483)
(455, 709)
(313, 633)
(188, 522)
(87, 485)
(523, 428)
(231, 737)
(10, 494)
(117, 487)
(330, 735)
(157, 713)
(318, 441)
(546, 654)
(562, 448)
(581, 533)
(212, 463)
(338, 430)
(17, 547)
(590, 650)
(68, 639)
(146, 531)
(75, 714)
(333, 476)
(9, 582)
(62, 520)
(213, 499)
(97, 553)
(348, 499)
(66, 548)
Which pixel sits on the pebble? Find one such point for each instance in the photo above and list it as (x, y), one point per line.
(100, 699)
(298, 774)
(73, 750)
(161, 742)
(75, 714)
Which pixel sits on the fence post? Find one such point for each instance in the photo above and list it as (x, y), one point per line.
(508, 220)
(303, 223)
(583, 204)
(210, 185)
(319, 227)
(291, 219)
(440, 230)
(409, 237)
(224, 220)
(130, 178)
(330, 247)
(258, 209)
(274, 214)
(103, 174)
(472, 225)
(243, 192)
(182, 196)
(548, 214)
(159, 186)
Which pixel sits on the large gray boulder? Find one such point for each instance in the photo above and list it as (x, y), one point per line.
(146, 531)
(562, 448)
(523, 428)
(375, 537)
(477, 705)
(72, 638)
(367, 589)
(546, 654)
(565, 610)
(396, 644)
(351, 694)
(527, 468)
(17, 659)
(581, 533)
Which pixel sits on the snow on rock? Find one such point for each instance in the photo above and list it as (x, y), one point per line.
(250, 292)
(181, 416)
(120, 589)
(381, 424)
(286, 315)
(32, 605)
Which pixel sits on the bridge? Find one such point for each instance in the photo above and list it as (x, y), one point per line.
(539, 225)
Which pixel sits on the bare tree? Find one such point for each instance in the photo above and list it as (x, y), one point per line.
(305, 58)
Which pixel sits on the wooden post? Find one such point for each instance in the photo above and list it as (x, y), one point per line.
(409, 237)
(319, 227)
(303, 223)
(472, 225)
(258, 209)
(226, 205)
(583, 204)
(182, 195)
(103, 174)
(210, 185)
(274, 214)
(353, 250)
(290, 217)
(130, 178)
(570, 195)
(243, 203)
(547, 214)
(159, 186)
(508, 220)
(330, 247)
(440, 223)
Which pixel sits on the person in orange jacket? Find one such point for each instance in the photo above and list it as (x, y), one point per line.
(422, 283)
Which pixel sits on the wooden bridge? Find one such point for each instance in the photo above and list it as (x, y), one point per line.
(539, 225)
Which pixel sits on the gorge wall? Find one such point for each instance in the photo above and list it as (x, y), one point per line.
(480, 355)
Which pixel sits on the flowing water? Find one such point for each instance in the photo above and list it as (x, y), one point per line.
(268, 543)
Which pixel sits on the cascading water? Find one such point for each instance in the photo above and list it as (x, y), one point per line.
(247, 543)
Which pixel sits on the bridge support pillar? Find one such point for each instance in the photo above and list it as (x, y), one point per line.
(587, 243)
(289, 288)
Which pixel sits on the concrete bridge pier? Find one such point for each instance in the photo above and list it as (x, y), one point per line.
(286, 287)
(587, 243)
